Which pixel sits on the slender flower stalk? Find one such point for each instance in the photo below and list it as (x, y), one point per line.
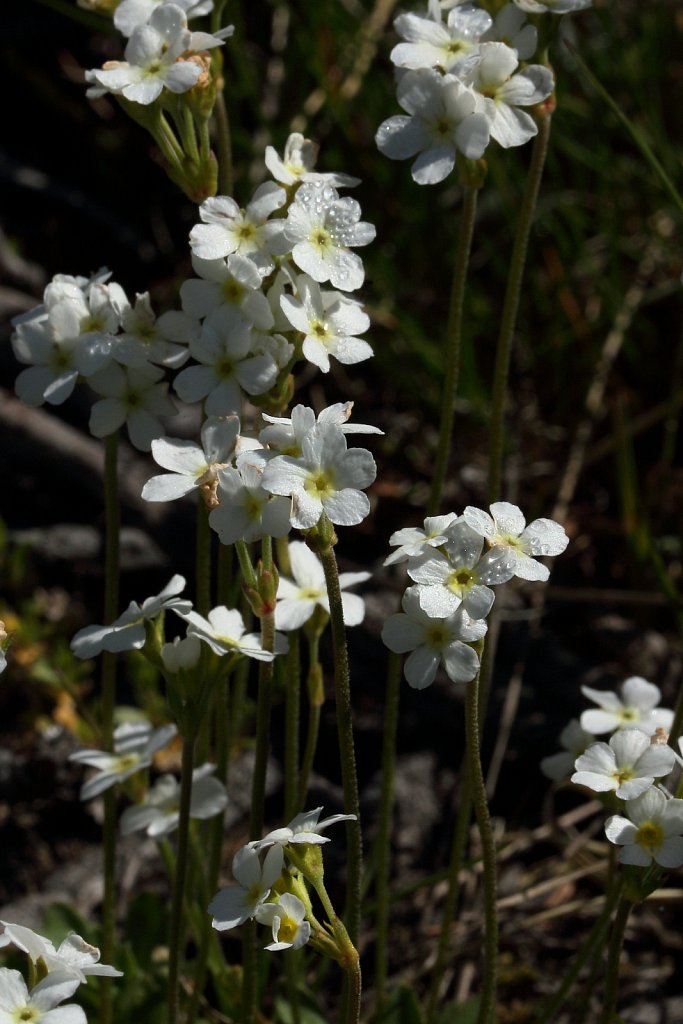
(453, 346)
(179, 878)
(591, 947)
(203, 567)
(316, 698)
(223, 145)
(458, 844)
(346, 744)
(511, 303)
(487, 1005)
(111, 603)
(386, 804)
(613, 958)
(292, 716)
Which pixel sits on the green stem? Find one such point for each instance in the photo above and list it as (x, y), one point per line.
(591, 947)
(511, 305)
(316, 698)
(203, 566)
(613, 958)
(453, 346)
(383, 847)
(346, 745)
(462, 822)
(108, 703)
(178, 898)
(292, 715)
(487, 1004)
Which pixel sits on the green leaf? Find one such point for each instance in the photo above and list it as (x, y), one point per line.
(402, 1008)
(460, 1013)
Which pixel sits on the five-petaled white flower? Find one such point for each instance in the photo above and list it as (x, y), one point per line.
(287, 919)
(443, 120)
(131, 13)
(135, 744)
(327, 478)
(146, 338)
(286, 435)
(227, 228)
(190, 465)
(628, 765)
(303, 828)
(506, 528)
(431, 44)
(224, 632)
(136, 396)
(321, 228)
(653, 830)
(433, 641)
(298, 599)
(637, 707)
(501, 92)
(234, 282)
(74, 956)
(239, 903)
(245, 510)
(573, 740)
(329, 323)
(17, 1004)
(127, 633)
(158, 815)
(415, 541)
(297, 164)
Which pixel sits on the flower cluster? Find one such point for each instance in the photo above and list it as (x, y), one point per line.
(627, 766)
(161, 52)
(268, 875)
(454, 561)
(462, 80)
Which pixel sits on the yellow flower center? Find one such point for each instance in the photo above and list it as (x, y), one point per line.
(650, 836)
(287, 930)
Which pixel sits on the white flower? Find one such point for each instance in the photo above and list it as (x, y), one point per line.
(228, 366)
(457, 574)
(155, 58)
(182, 655)
(652, 831)
(511, 27)
(286, 435)
(443, 120)
(574, 741)
(506, 528)
(286, 917)
(433, 641)
(71, 334)
(298, 162)
(134, 396)
(38, 1006)
(296, 601)
(329, 322)
(134, 747)
(303, 828)
(245, 511)
(501, 92)
(414, 542)
(131, 13)
(127, 633)
(637, 707)
(327, 478)
(239, 903)
(224, 633)
(158, 814)
(227, 228)
(628, 765)
(74, 957)
(430, 44)
(235, 282)
(554, 6)
(321, 228)
(190, 465)
(147, 338)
